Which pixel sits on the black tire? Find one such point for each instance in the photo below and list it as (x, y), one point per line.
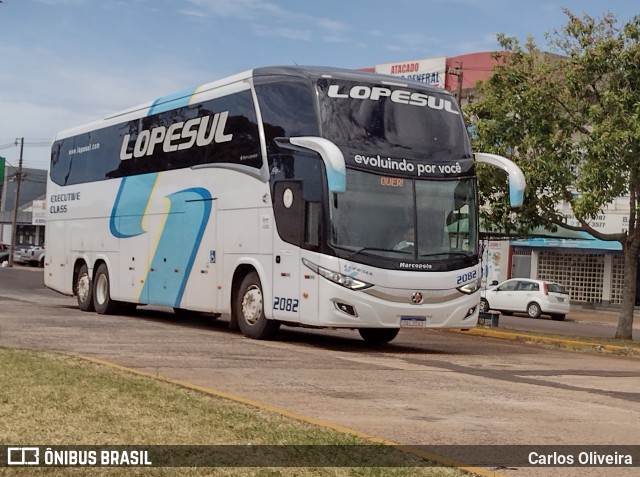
(102, 292)
(484, 305)
(83, 289)
(557, 317)
(249, 310)
(533, 310)
(378, 335)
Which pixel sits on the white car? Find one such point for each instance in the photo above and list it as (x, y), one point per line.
(533, 297)
(31, 254)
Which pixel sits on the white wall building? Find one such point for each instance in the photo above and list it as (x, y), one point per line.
(592, 270)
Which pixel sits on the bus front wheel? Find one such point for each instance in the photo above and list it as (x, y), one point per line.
(84, 289)
(101, 292)
(378, 335)
(250, 310)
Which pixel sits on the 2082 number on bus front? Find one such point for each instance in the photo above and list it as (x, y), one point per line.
(286, 304)
(466, 277)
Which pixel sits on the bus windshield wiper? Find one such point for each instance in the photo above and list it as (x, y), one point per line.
(451, 252)
(353, 251)
(366, 249)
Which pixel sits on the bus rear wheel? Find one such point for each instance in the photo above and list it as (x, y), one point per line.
(84, 289)
(250, 310)
(378, 335)
(101, 292)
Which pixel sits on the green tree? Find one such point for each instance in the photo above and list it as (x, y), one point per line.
(570, 120)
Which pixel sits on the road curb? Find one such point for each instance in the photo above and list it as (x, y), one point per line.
(445, 461)
(560, 342)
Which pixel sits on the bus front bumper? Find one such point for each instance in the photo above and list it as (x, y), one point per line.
(380, 307)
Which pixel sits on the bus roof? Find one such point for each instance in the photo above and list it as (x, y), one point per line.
(315, 72)
(309, 72)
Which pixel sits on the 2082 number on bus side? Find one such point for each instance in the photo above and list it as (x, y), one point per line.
(286, 304)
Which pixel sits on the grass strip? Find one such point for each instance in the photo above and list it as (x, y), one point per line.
(51, 399)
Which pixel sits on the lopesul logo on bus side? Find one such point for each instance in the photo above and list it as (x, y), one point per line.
(401, 96)
(178, 136)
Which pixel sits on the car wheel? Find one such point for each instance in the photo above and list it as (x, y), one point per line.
(484, 305)
(533, 310)
(250, 310)
(84, 289)
(557, 317)
(101, 292)
(377, 336)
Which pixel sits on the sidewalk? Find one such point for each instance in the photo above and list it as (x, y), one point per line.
(578, 314)
(607, 315)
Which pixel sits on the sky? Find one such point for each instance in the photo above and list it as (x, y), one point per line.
(64, 63)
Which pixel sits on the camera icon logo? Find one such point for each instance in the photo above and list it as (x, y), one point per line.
(23, 456)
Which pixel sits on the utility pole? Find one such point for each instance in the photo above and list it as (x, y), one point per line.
(458, 72)
(14, 228)
(3, 198)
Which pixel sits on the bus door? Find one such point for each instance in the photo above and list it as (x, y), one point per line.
(288, 206)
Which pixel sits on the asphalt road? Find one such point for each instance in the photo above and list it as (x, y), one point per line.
(426, 387)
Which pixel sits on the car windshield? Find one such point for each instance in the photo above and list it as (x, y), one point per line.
(506, 286)
(387, 216)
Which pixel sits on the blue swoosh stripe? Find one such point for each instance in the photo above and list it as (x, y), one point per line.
(182, 232)
(176, 251)
(172, 101)
(130, 205)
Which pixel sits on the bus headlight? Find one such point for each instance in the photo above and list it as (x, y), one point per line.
(470, 287)
(336, 277)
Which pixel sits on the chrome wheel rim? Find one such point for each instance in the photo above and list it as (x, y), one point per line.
(252, 305)
(102, 289)
(83, 287)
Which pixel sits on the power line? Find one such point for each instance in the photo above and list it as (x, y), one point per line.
(43, 143)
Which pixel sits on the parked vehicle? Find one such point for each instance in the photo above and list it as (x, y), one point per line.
(523, 295)
(31, 254)
(275, 206)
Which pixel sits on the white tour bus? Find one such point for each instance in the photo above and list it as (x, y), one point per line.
(287, 195)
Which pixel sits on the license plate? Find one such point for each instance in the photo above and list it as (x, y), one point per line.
(561, 300)
(413, 322)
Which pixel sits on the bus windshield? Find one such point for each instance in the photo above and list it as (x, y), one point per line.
(428, 127)
(397, 218)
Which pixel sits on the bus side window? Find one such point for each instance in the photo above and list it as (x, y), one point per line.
(287, 108)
